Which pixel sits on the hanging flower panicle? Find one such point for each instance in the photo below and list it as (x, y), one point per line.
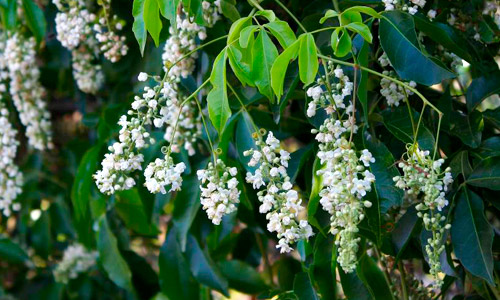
(219, 190)
(393, 93)
(11, 179)
(26, 91)
(346, 179)
(280, 202)
(425, 182)
(162, 173)
(76, 260)
(86, 36)
(124, 157)
(111, 45)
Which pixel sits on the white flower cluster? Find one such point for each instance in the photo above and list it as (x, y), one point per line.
(85, 35)
(182, 40)
(164, 172)
(11, 179)
(329, 101)
(345, 178)
(422, 178)
(346, 181)
(76, 260)
(88, 74)
(159, 106)
(26, 91)
(393, 93)
(219, 190)
(411, 7)
(124, 158)
(182, 121)
(112, 45)
(280, 202)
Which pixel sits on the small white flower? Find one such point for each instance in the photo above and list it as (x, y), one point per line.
(142, 76)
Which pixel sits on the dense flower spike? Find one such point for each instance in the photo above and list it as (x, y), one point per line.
(393, 93)
(111, 44)
(345, 178)
(162, 173)
(423, 179)
(86, 35)
(11, 179)
(124, 158)
(219, 190)
(76, 260)
(181, 42)
(280, 202)
(26, 91)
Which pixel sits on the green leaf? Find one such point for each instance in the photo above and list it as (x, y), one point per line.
(353, 287)
(373, 278)
(246, 34)
(486, 174)
(240, 58)
(460, 164)
(472, 235)
(175, 278)
(242, 277)
(384, 169)
(9, 15)
(302, 287)
(203, 268)
(344, 44)
(361, 29)
(481, 88)
(364, 9)
(130, 208)
(350, 16)
(152, 20)
(444, 35)
(244, 139)
(467, 127)
(308, 59)
(168, 9)
(218, 103)
(404, 229)
(397, 121)
(324, 266)
(186, 206)
(492, 116)
(329, 14)
(317, 186)
(399, 41)
(280, 65)
(139, 27)
(110, 257)
(363, 82)
(490, 147)
(282, 32)
(297, 160)
(229, 10)
(11, 252)
(268, 14)
(34, 19)
(80, 191)
(264, 53)
(195, 10)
